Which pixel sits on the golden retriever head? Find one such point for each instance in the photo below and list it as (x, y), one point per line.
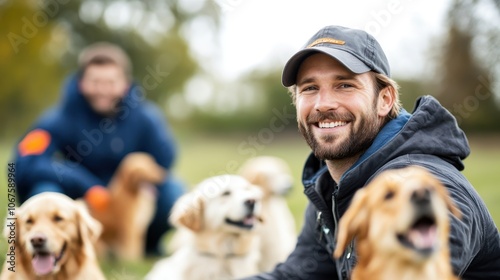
(51, 229)
(272, 174)
(403, 212)
(227, 203)
(137, 168)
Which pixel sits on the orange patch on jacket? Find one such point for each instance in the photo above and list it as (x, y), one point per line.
(34, 143)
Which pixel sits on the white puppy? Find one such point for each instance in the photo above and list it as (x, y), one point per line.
(221, 214)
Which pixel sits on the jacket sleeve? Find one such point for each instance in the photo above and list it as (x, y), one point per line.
(471, 233)
(39, 157)
(158, 140)
(310, 260)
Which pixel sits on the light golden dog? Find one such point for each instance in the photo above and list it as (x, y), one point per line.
(221, 212)
(131, 207)
(400, 222)
(54, 239)
(278, 236)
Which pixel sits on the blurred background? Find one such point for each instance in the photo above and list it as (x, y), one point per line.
(217, 66)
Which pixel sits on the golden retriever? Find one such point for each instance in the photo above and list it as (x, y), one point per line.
(401, 225)
(221, 212)
(131, 208)
(54, 239)
(278, 237)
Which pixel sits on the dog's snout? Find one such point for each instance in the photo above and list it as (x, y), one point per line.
(422, 196)
(250, 204)
(38, 240)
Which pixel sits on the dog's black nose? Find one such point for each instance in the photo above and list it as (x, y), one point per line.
(421, 197)
(250, 204)
(38, 240)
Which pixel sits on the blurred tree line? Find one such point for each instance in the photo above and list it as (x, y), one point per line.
(41, 40)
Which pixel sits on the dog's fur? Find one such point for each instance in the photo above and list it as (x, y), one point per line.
(278, 237)
(131, 207)
(221, 212)
(54, 240)
(400, 222)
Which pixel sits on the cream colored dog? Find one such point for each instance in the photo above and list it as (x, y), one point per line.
(54, 239)
(222, 213)
(278, 236)
(400, 223)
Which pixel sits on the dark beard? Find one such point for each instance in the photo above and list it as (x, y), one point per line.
(358, 141)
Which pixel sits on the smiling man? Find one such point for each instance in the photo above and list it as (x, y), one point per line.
(348, 111)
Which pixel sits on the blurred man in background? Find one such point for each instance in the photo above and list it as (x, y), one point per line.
(102, 116)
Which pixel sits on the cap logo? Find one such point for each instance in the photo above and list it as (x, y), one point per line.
(326, 40)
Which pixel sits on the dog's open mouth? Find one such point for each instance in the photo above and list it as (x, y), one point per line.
(247, 222)
(422, 235)
(44, 262)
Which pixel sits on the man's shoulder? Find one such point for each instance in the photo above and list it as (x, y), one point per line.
(149, 110)
(51, 119)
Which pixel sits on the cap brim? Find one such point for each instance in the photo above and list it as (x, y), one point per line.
(348, 60)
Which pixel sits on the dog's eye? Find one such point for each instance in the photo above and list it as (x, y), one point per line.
(389, 195)
(58, 218)
(226, 193)
(29, 221)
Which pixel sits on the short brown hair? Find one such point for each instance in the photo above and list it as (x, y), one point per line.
(103, 53)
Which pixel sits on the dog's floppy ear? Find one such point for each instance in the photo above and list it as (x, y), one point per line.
(89, 228)
(188, 212)
(354, 222)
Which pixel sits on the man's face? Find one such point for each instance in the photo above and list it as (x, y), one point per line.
(337, 110)
(104, 86)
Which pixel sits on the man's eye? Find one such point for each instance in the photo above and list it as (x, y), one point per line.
(345, 86)
(308, 89)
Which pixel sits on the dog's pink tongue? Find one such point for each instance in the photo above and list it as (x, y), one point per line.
(43, 264)
(423, 237)
(250, 220)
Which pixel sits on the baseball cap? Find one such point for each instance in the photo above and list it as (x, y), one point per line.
(355, 49)
(107, 50)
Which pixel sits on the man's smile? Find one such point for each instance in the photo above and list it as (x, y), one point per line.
(331, 124)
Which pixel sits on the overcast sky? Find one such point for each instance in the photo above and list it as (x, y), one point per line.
(256, 33)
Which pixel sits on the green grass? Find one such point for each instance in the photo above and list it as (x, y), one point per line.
(204, 156)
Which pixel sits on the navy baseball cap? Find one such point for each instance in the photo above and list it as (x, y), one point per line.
(355, 49)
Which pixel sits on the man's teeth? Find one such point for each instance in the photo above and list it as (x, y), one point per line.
(331, 124)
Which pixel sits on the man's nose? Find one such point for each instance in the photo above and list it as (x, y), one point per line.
(326, 100)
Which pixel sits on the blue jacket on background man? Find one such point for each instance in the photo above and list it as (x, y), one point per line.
(72, 148)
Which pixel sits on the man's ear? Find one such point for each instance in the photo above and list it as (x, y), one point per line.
(386, 99)
(188, 212)
(354, 222)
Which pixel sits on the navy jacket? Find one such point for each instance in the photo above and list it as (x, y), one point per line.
(430, 138)
(84, 148)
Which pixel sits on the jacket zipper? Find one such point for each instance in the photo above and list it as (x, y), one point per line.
(343, 267)
(334, 214)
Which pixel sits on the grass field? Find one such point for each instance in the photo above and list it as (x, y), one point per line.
(204, 156)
